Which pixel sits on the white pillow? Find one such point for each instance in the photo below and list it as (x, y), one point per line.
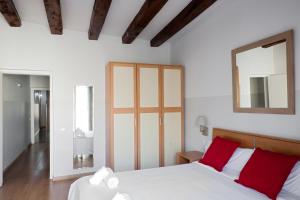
(291, 187)
(237, 162)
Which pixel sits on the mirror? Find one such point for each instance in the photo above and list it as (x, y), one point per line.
(263, 76)
(83, 137)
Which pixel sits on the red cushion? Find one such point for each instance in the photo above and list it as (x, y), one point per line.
(266, 172)
(219, 152)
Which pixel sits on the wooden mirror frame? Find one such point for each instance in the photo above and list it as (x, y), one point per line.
(288, 36)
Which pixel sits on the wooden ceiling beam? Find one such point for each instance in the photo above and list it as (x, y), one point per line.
(188, 14)
(53, 11)
(99, 14)
(10, 13)
(147, 12)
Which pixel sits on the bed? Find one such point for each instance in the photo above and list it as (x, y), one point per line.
(188, 181)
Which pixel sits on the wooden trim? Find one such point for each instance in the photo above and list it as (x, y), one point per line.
(161, 117)
(252, 140)
(147, 66)
(110, 122)
(288, 36)
(121, 64)
(136, 121)
(73, 176)
(122, 110)
(172, 109)
(167, 66)
(182, 110)
(173, 67)
(138, 102)
(149, 110)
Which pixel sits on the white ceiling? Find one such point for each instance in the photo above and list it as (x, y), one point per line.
(76, 15)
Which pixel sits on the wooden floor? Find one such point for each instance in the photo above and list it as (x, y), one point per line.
(28, 177)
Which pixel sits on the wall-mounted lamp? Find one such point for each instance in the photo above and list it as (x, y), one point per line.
(201, 121)
(19, 85)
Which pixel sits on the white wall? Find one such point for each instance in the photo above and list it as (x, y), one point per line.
(73, 60)
(39, 82)
(205, 50)
(16, 112)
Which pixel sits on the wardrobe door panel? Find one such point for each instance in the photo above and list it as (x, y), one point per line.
(172, 87)
(149, 115)
(149, 140)
(172, 137)
(124, 154)
(149, 87)
(123, 87)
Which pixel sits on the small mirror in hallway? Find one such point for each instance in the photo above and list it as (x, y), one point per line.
(83, 140)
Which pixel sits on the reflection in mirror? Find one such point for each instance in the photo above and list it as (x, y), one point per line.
(262, 75)
(83, 140)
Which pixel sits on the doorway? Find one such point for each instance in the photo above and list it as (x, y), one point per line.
(40, 119)
(25, 102)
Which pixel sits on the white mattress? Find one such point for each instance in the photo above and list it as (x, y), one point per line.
(182, 182)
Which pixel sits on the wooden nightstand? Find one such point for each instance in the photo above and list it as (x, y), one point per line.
(188, 157)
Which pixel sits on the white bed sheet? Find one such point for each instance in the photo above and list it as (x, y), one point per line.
(182, 182)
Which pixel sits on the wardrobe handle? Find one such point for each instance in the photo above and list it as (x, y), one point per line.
(161, 121)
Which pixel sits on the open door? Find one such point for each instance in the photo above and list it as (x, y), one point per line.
(1, 129)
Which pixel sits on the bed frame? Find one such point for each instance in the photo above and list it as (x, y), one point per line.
(250, 140)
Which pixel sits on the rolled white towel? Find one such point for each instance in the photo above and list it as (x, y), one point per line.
(100, 175)
(121, 196)
(112, 182)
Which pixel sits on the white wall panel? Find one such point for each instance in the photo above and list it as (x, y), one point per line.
(172, 88)
(172, 137)
(124, 142)
(149, 89)
(123, 87)
(149, 140)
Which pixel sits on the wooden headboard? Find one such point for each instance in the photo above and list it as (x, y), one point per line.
(250, 140)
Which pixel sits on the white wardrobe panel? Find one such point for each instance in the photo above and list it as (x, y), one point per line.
(172, 137)
(172, 87)
(149, 140)
(124, 158)
(149, 92)
(123, 87)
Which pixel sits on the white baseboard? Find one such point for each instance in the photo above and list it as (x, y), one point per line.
(74, 176)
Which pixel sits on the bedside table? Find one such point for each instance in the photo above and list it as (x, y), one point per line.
(188, 157)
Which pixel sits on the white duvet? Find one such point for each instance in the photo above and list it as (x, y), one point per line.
(182, 182)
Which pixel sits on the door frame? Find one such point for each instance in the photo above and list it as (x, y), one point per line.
(4, 71)
(32, 132)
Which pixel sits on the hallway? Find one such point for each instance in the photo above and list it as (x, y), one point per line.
(28, 177)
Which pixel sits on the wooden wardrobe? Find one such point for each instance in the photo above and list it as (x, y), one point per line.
(145, 115)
